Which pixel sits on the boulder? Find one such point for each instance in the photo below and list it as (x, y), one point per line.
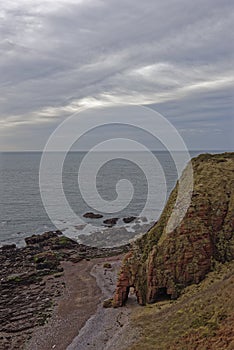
(107, 303)
(110, 222)
(129, 219)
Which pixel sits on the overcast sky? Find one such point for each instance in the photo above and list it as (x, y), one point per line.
(60, 56)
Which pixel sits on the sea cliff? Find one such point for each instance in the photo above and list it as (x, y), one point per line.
(160, 264)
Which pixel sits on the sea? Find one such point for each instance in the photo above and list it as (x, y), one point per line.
(112, 185)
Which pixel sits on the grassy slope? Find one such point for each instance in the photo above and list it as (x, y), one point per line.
(202, 318)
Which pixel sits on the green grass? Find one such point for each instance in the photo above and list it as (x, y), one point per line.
(63, 240)
(193, 320)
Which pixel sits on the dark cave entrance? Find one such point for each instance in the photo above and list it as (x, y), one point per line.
(162, 294)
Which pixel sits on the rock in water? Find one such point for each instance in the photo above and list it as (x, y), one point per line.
(110, 222)
(92, 216)
(129, 219)
(161, 264)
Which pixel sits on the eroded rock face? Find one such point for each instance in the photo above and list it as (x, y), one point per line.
(162, 264)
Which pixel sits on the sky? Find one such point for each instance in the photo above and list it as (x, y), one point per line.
(60, 57)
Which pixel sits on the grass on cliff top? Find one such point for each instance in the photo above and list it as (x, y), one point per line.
(202, 318)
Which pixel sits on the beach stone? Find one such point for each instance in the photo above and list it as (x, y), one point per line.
(107, 303)
(107, 265)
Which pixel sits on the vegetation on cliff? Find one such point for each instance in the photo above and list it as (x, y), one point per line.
(202, 318)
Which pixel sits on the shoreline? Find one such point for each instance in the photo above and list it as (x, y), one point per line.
(79, 302)
(108, 327)
(47, 290)
(79, 320)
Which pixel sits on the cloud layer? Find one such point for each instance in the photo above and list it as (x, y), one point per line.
(59, 57)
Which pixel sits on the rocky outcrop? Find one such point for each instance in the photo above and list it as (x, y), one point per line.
(30, 282)
(40, 239)
(160, 264)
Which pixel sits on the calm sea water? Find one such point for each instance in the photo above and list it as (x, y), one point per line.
(22, 212)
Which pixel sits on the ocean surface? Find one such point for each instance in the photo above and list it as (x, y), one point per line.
(22, 212)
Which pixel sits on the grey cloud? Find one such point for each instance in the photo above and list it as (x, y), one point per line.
(59, 55)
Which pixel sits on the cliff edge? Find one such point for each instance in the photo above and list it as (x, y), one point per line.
(161, 264)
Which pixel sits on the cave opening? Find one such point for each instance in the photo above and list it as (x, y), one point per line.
(162, 294)
(131, 297)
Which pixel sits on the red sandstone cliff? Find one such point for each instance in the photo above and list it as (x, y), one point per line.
(161, 264)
